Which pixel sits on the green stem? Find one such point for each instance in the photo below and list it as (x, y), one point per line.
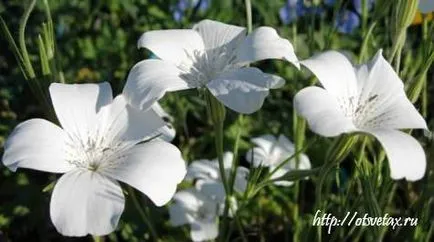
(217, 112)
(336, 153)
(364, 47)
(299, 131)
(248, 15)
(97, 238)
(235, 152)
(142, 213)
(22, 40)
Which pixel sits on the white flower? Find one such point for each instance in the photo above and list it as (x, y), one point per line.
(369, 98)
(167, 133)
(97, 145)
(209, 180)
(426, 6)
(271, 152)
(212, 55)
(192, 207)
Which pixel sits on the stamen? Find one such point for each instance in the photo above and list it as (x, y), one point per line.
(204, 66)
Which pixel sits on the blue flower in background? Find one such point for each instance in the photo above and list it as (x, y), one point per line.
(347, 21)
(179, 9)
(177, 15)
(204, 4)
(288, 13)
(296, 8)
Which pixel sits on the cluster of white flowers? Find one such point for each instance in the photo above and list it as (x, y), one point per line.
(200, 206)
(273, 153)
(103, 140)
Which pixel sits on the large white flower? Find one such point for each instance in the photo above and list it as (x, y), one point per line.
(208, 176)
(369, 98)
(192, 207)
(212, 55)
(100, 142)
(271, 152)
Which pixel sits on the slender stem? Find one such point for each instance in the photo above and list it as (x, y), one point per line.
(217, 111)
(299, 131)
(97, 238)
(336, 153)
(249, 15)
(219, 148)
(235, 152)
(142, 213)
(22, 40)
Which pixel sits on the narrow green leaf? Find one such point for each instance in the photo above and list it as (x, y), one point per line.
(297, 175)
(45, 65)
(22, 41)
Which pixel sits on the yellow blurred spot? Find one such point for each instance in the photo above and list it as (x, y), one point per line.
(418, 18)
(87, 75)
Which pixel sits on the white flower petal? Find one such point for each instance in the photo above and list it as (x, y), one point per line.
(303, 163)
(185, 205)
(275, 82)
(149, 80)
(242, 90)
(167, 132)
(401, 114)
(125, 124)
(36, 144)
(266, 142)
(384, 91)
(291, 165)
(85, 202)
(335, 72)
(178, 215)
(172, 45)
(203, 169)
(241, 175)
(279, 173)
(216, 34)
(322, 112)
(426, 6)
(282, 149)
(213, 189)
(228, 158)
(284, 143)
(154, 168)
(265, 43)
(204, 230)
(257, 157)
(76, 105)
(162, 113)
(188, 198)
(406, 156)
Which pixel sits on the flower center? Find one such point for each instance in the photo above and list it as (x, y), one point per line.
(89, 153)
(361, 112)
(205, 65)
